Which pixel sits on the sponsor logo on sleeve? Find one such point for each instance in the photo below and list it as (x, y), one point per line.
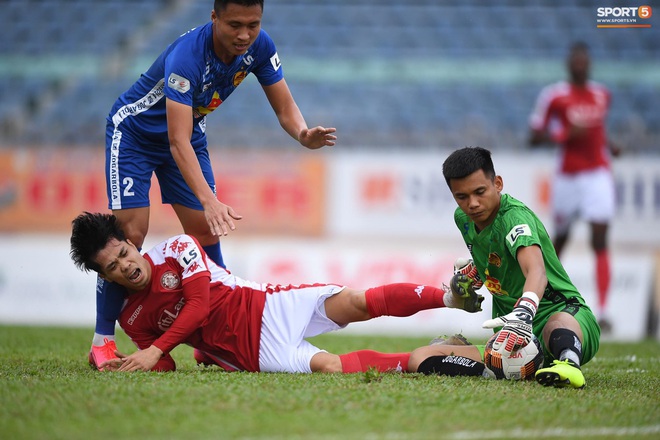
(516, 232)
(275, 61)
(178, 83)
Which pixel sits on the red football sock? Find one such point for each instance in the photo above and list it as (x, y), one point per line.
(602, 277)
(402, 299)
(363, 360)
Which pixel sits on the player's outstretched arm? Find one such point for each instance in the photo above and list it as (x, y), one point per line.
(292, 121)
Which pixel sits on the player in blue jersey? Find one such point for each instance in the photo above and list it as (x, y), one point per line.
(158, 126)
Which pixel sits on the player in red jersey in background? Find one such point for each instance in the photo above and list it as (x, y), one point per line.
(573, 115)
(176, 294)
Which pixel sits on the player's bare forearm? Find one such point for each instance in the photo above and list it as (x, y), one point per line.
(179, 131)
(532, 265)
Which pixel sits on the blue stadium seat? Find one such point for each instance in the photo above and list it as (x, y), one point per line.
(418, 109)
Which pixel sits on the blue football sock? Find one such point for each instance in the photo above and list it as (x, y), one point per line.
(109, 301)
(215, 254)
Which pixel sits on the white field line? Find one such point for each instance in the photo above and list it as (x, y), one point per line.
(498, 434)
(558, 432)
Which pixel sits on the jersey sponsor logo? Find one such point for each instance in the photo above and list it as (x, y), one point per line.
(459, 360)
(167, 317)
(141, 105)
(588, 115)
(113, 170)
(134, 315)
(275, 62)
(518, 231)
(239, 77)
(189, 257)
(178, 83)
(170, 280)
(248, 59)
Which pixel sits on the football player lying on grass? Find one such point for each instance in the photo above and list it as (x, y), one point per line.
(176, 294)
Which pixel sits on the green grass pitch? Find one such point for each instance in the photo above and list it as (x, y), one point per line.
(49, 392)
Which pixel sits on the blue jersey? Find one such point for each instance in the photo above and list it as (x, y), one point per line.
(190, 72)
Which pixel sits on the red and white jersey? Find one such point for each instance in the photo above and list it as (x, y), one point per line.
(562, 105)
(194, 301)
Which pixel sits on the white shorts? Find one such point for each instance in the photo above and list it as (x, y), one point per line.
(589, 195)
(289, 317)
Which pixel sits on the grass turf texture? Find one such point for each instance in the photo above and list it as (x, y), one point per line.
(49, 392)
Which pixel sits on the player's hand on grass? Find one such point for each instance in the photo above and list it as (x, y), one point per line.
(317, 137)
(462, 294)
(113, 364)
(220, 217)
(516, 326)
(141, 360)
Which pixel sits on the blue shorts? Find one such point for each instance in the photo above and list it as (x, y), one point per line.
(130, 164)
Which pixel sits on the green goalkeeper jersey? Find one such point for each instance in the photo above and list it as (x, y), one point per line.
(494, 253)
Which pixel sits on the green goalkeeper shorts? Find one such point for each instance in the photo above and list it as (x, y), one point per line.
(584, 316)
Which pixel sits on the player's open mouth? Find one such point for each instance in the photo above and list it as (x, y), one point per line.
(135, 275)
(242, 47)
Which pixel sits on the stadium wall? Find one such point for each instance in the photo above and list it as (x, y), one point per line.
(354, 219)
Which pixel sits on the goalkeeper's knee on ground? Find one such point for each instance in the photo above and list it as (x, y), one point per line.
(451, 366)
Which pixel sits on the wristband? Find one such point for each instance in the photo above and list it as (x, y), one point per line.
(528, 300)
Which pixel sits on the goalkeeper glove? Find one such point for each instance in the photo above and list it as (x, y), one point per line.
(516, 326)
(466, 266)
(461, 294)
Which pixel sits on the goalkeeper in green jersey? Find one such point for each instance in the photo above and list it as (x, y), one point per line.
(515, 259)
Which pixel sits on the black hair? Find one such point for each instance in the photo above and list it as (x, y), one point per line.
(465, 161)
(221, 5)
(90, 233)
(579, 46)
